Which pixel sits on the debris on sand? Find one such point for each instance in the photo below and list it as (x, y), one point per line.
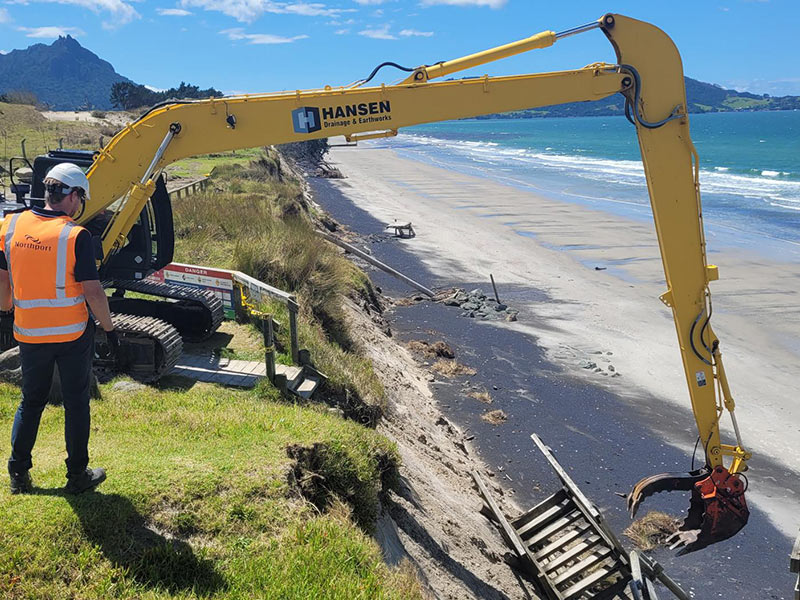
(495, 417)
(478, 305)
(451, 368)
(652, 530)
(433, 350)
(481, 397)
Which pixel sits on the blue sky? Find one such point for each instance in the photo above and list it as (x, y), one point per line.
(270, 45)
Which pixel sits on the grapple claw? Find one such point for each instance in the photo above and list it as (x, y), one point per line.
(717, 509)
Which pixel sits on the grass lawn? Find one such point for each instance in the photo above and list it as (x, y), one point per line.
(202, 500)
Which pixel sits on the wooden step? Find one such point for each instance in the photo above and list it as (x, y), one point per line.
(569, 536)
(575, 590)
(307, 387)
(584, 565)
(538, 509)
(573, 553)
(548, 515)
(293, 374)
(555, 526)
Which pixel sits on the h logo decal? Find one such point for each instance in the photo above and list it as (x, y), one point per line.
(306, 120)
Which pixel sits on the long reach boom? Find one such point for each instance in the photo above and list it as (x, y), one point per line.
(648, 73)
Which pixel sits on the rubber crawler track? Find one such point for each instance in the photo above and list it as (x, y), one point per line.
(201, 328)
(169, 344)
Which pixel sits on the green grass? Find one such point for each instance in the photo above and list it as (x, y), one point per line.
(19, 121)
(260, 226)
(200, 166)
(202, 500)
(739, 103)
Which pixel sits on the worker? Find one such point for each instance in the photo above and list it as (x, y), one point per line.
(48, 274)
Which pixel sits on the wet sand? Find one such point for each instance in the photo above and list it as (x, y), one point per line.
(608, 431)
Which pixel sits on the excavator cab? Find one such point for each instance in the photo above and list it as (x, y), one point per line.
(150, 243)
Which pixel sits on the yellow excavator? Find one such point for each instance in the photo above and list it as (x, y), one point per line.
(130, 213)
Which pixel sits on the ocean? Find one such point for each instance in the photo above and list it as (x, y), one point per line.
(749, 178)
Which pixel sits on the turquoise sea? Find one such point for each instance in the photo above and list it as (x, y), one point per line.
(750, 167)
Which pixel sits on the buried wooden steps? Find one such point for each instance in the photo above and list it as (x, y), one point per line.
(565, 545)
(298, 380)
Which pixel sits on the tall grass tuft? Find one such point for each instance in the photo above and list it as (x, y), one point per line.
(254, 219)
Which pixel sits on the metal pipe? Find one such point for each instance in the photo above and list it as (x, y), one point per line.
(376, 262)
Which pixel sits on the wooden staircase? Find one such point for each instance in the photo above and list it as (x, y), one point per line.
(565, 545)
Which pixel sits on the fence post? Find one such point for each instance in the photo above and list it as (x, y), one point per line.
(293, 306)
(269, 347)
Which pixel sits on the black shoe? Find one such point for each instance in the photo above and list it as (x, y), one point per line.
(21, 483)
(89, 479)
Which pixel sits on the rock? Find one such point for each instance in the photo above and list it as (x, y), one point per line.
(512, 316)
(477, 292)
(452, 301)
(587, 364)
(128, 386)
(598, 370)
(611, 368)
(430, 378)
(471, 305)
(500, 307)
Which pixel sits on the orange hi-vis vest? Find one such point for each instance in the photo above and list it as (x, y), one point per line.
(48, 303)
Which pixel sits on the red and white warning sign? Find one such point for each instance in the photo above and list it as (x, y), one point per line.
(213, 280)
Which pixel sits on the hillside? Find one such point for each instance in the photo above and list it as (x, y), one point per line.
(67, 76)
(63, 75)
(702, 97)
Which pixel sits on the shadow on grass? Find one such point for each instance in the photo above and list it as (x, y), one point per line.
(125, 538)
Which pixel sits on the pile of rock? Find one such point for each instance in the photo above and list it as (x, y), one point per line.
(477, 305)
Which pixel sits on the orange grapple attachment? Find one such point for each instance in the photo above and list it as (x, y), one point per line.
(717, 509)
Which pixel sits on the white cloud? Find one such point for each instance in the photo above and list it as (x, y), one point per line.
(249, 10)
(489, 3)
(50, 31)
(173, 12)
(381, 33)
(368, 2)
(4, 16)
(342, 31)
(119, 11)
(415, 33)
(238, 33)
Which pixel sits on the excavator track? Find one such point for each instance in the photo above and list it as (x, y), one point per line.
(195, 313)
(149, 347)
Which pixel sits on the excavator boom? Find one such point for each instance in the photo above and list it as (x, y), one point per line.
(648, 72)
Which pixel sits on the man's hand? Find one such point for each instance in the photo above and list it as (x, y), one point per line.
(113, 344)
(96, 298)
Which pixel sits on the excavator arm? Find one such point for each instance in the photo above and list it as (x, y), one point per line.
(648, 73)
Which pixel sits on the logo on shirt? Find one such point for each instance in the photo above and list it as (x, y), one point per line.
(30, 238)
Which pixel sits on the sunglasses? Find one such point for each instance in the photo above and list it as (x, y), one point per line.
(54, 188)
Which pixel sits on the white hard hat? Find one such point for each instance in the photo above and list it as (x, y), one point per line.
(70, 175)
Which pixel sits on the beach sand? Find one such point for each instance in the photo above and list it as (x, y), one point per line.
(468, 227)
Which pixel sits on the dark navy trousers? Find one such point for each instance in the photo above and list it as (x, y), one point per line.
(74, 360)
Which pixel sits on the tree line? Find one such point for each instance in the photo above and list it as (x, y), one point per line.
(128, 96)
